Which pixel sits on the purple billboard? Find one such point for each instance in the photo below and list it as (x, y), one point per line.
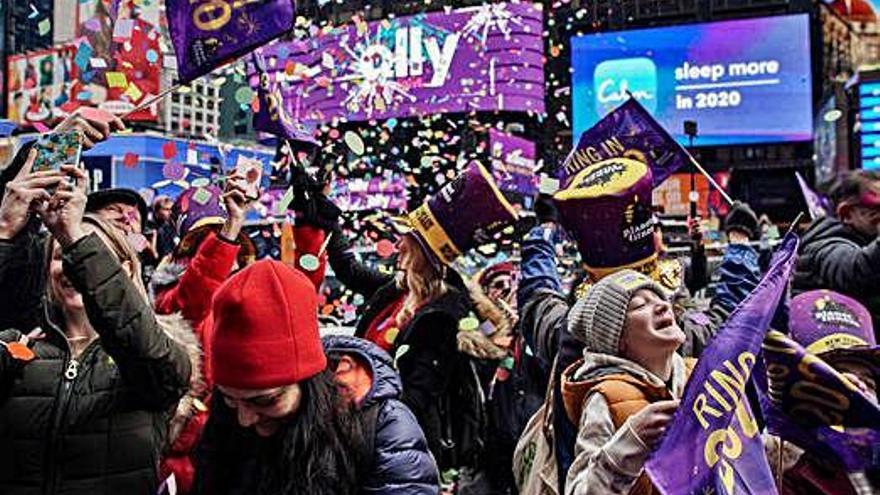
(483, 58)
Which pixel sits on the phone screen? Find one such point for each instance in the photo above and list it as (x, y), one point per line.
(252, 170)
(57, 149)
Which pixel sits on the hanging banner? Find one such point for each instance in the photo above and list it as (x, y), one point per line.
(208, 33)
(39, 83)
(484, 58)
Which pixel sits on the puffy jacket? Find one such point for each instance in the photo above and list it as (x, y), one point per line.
(544, 318)
(609, 455)
(94, 424)
(835, 256)
(425, 352)
(402, 463)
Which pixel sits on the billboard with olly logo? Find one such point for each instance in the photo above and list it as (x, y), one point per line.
(482, 58)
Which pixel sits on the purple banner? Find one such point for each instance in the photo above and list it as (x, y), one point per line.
(714, 443)
(207, 34)
(484, 58)
(813, 406)
(513, 165)
(814, 203)
(629, 131)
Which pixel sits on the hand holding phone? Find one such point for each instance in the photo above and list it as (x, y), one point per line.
(251, 171)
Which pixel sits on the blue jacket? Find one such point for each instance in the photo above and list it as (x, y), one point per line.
(402, 462)
(544, 318)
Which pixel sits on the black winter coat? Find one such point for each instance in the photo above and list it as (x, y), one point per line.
(94, 424)
(425, 352)
(22, 265)
(835, 256)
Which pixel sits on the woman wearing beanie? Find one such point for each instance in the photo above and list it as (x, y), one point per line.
(209, 222)
(284, 421)
(624, 391)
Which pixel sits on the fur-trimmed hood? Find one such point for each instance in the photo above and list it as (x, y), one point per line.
(478, 344)
(178, 329)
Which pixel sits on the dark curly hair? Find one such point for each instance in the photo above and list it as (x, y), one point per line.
(317, 452)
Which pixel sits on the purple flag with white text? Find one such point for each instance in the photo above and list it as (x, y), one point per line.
(813, 406)
(713, 444)
(629, 131)
(207, 34)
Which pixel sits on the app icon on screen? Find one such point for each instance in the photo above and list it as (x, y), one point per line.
(613, 78)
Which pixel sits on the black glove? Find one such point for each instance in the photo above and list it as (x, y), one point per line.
(741, 217)
(545, 209)
(312, 207)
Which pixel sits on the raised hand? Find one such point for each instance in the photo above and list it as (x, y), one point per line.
(95, 125)
(237, 204)
(650, 423)
(62, 214)
(23, 194)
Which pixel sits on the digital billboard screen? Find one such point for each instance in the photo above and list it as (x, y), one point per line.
(482, 58)
(744, 81)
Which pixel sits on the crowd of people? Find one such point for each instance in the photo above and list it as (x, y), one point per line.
(209, 373)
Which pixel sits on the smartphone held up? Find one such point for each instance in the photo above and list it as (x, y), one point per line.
(57, 149)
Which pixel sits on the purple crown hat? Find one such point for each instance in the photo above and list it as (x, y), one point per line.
(834, 325)
(455, 219)
(197, 207)
(607, 209)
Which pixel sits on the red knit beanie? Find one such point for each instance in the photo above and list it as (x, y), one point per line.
(266, 328)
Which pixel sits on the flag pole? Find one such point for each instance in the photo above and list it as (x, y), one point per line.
(712, 181)
(699, 167)
(779, 464)
(153, 100)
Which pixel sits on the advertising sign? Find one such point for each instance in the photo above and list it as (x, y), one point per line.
(39, 83)
(118, 55)
(869, 116)
(482, 58)
(744, 81)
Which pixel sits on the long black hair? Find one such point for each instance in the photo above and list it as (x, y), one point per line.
(318, 451)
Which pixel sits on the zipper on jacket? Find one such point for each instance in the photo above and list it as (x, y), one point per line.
(71, 372)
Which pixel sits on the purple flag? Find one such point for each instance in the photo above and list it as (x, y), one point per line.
(811, 405)
(814, 203)
(714, 442)
(513, 166)
(629, 131)
(272, 117)
(207, 34)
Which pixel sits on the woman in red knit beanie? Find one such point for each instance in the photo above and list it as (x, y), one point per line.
(282, 420)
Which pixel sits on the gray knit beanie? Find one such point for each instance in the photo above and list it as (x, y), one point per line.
(597, 319)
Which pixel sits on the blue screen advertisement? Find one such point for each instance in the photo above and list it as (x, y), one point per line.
(869, 116)
(745, 81)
